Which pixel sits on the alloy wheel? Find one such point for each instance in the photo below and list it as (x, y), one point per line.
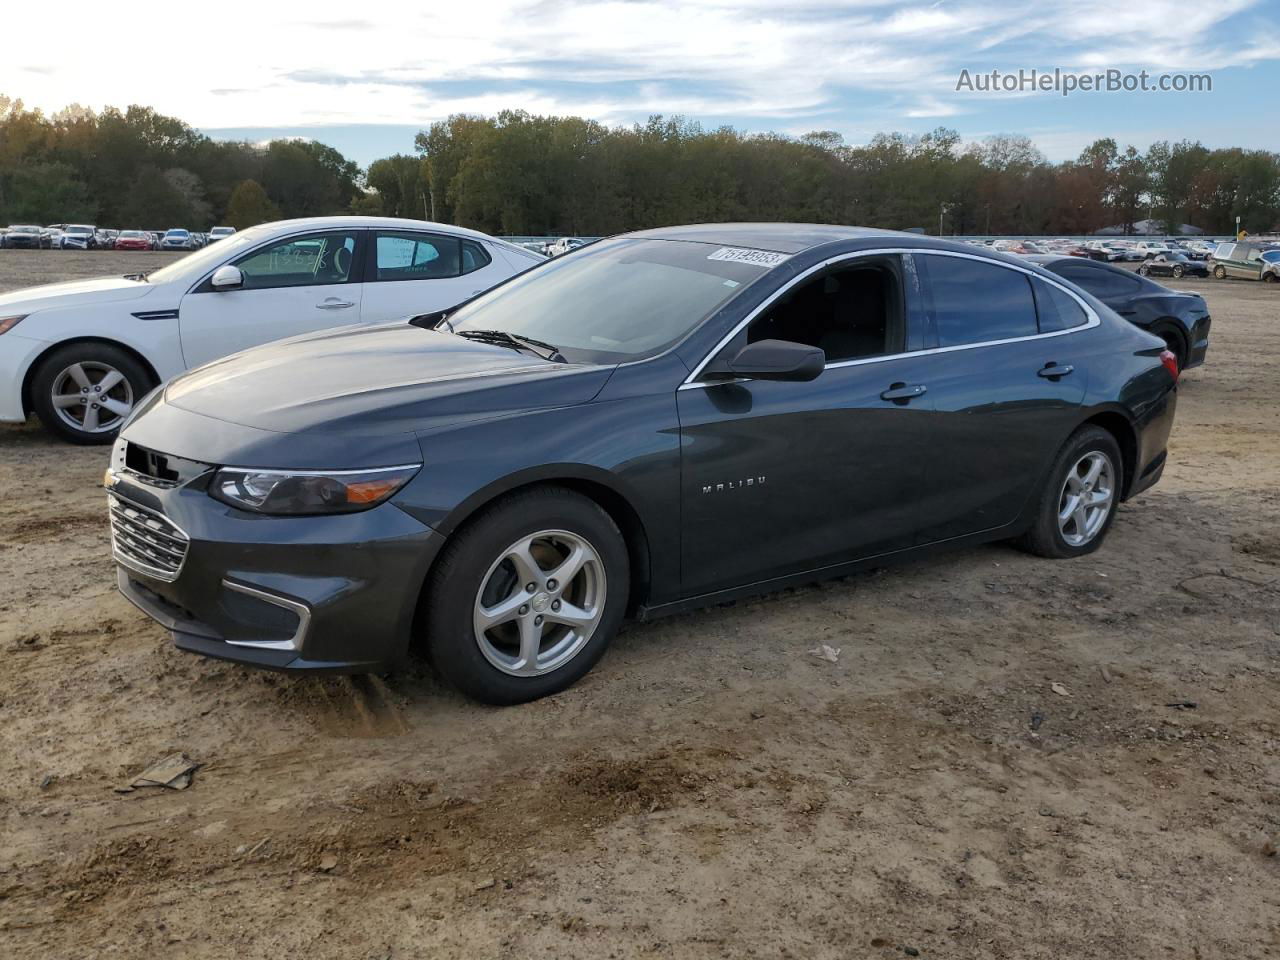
(92, 396)
(540, 603)
(1086, 498)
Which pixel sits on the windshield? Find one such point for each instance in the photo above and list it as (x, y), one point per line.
(131, 234)
(617, 300)
(21, 229)
(75, 229)
(176, 233)
(209, 256)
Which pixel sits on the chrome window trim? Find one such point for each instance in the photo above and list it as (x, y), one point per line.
(297, 607)
(692, 383)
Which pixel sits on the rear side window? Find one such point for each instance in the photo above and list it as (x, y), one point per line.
(422, 256)
(1056, 309)
(974, 302)
(1103, 282)
(1224, 251)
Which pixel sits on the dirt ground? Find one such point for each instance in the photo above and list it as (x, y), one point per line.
(712, 789)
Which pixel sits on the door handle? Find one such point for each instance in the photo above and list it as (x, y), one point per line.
(1126, 313)
(333, 303)
(902, 393)
(1051, 371)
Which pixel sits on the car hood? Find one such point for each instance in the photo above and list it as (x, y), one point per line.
(390, 378)
(49, 296)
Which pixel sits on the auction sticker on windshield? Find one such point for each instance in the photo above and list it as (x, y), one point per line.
(759, 258)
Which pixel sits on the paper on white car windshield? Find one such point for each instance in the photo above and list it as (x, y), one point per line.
(758, 258)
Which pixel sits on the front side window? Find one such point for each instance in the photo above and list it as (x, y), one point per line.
(624, 299)
(1055, 308)
(849, 313)
(313, 260)
(974, 302)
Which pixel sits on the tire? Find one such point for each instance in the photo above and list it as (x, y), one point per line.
(1220, 272)
(1046, 536)
(86, 366)
(1142, 270)
(475, 574)
(1177, 272)
(1270, 278)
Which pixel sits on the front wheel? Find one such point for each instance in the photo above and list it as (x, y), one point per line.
(1270, 278)
(82, 392)
(1079, 499)
(1177, 272)
(525, 599)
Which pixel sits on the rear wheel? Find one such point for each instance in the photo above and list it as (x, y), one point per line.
(1079, 499)
(1177, 271)
(525, 599)
(1220, 272)
(82, 392)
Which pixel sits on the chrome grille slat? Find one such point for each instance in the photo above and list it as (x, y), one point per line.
(145, 540)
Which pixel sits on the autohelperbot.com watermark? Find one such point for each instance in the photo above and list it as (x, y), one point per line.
(1067, 82)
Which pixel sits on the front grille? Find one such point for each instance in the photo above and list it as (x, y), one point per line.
(146, 541)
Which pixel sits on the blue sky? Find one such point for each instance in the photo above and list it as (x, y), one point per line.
(365, 82)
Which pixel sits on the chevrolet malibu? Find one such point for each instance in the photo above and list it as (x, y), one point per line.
(79, 355)
(657, 421)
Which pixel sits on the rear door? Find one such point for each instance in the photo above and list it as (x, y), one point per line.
(410, 272)
(1006, 378)
(296, 285)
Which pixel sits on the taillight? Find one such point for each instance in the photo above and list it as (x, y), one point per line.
(1170, 361)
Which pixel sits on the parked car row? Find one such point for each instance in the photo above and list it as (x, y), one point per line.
(76, 236)
(1106, 250)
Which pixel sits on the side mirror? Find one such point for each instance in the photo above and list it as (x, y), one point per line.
(778, 360)
(227, 277)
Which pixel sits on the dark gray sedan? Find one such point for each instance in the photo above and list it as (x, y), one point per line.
(655, 422)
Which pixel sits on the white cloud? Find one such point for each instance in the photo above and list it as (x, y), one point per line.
(324, 62)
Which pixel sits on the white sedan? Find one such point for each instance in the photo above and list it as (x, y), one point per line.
(81, 354)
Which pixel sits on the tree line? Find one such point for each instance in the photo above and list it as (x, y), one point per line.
(138, 168)
(519, 174)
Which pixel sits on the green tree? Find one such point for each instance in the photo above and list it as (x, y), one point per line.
(50, 192)
(249, 206)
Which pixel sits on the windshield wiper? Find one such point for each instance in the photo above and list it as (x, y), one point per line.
(544, 350)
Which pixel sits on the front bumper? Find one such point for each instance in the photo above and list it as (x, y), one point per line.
(332, 593)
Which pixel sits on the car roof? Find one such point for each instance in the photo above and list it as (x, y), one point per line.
(778, 237)
(283, 227)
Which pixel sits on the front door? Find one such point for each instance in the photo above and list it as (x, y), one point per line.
(298, 285)
(778, 478)
(781, 477)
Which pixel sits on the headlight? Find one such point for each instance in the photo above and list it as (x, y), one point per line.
(308, 492)
(8, 323)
